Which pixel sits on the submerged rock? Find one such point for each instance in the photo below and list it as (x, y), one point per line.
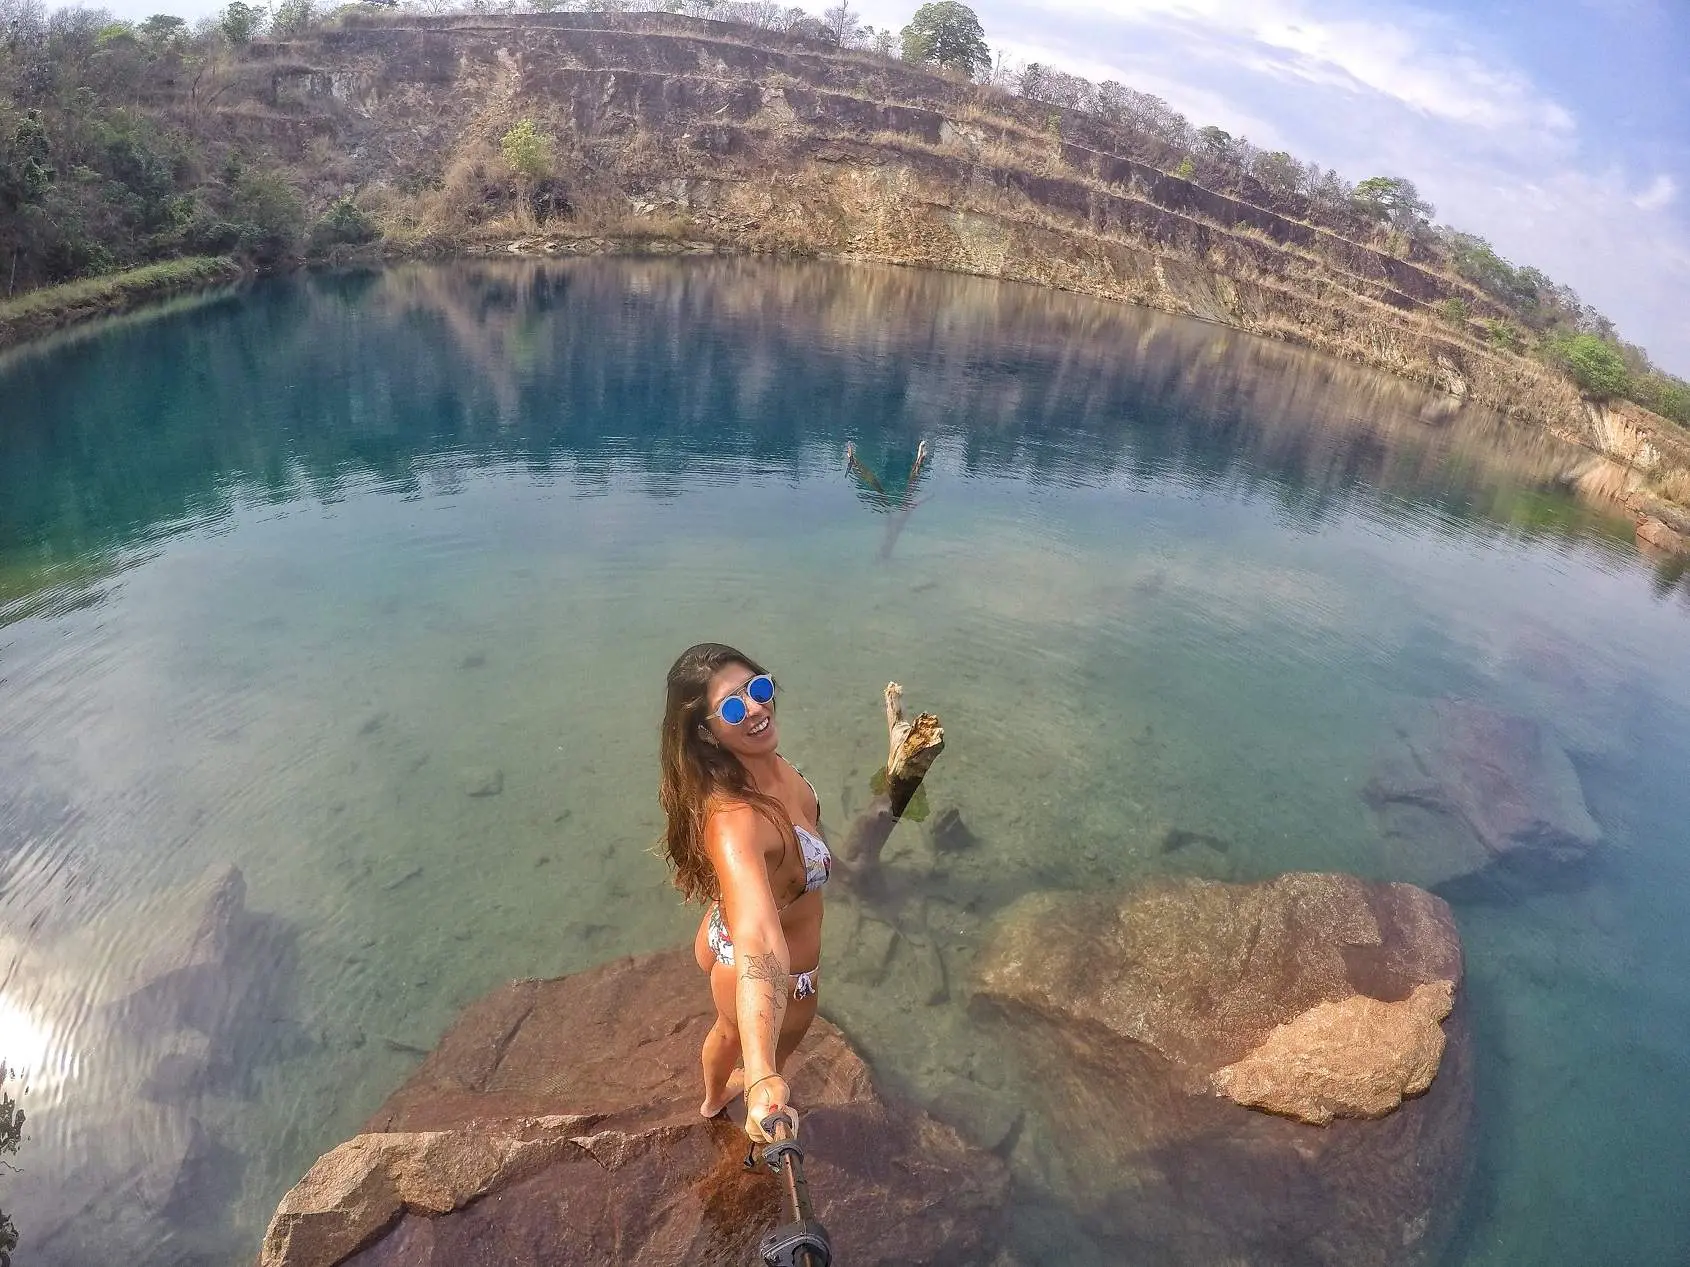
(1152, 1021)
(557, 1123)
(1466, 791)
(949, 833)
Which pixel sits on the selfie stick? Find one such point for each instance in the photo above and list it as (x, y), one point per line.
(800, 1241)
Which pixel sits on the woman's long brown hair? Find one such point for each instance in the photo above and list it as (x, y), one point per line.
(699, 775)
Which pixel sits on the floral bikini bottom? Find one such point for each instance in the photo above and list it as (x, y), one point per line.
(722, 946)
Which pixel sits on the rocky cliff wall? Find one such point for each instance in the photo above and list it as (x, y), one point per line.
(724, 138)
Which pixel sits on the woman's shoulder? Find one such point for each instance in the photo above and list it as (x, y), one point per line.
(802, 779)
(729, 817)
(734, 828)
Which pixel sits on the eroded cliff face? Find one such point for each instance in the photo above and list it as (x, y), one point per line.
(702, 136)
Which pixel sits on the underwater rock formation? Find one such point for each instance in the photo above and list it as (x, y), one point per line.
(557, 1123)
(1145, 1017)
(1466, 793)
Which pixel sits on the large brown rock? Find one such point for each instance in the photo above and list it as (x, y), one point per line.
(1145, 1019)
(557, 1123)
(1470, 795)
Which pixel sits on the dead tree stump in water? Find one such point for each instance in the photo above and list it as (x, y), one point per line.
(912, 746)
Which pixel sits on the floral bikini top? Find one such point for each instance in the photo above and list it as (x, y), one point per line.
(818, 861)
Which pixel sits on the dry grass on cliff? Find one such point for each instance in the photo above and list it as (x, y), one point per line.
(460, 202)
(1674, 485)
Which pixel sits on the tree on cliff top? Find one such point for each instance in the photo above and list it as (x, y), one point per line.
(1393, 200)
(240, 22)
(844, 24)
(947, 34)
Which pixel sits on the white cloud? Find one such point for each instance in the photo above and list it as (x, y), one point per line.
(1661, 191)
(1416, 60)
(1631, 261)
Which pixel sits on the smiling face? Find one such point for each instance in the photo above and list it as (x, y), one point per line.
(757, 734)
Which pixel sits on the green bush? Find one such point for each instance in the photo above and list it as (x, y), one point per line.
(1503, 334)
(1453, 311)
(343, 224)
(528, 150)
(1666, 395)
(269, 213)
(1596, 365)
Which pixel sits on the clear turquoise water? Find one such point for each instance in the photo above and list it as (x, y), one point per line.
(286, 575)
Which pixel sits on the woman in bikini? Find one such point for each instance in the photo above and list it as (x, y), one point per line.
(744, 834)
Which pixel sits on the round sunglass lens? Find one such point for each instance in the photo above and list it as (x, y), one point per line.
(733, 710)
(761, 689)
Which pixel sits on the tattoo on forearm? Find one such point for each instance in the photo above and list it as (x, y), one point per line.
(765, 969)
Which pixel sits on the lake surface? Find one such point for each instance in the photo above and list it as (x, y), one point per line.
(366, 585)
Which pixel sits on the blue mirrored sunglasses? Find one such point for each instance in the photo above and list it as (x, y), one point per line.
(760, 690)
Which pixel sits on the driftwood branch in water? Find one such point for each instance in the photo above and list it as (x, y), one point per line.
(854, 466)
(912, 746)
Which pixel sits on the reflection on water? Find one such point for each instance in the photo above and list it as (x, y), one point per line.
(336, 620)
(32, 1051)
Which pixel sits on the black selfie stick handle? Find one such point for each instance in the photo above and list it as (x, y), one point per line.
(800, 1241)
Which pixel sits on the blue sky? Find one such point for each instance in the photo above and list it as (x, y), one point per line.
(1558, 129)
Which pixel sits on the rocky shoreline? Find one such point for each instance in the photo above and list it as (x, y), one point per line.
(558, 1120)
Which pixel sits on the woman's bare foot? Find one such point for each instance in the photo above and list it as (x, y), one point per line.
(715, 1104)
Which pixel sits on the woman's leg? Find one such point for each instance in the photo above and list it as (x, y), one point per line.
(799, 1014)
(723, 1079)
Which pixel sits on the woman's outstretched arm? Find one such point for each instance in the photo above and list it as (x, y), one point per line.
(761, 961)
